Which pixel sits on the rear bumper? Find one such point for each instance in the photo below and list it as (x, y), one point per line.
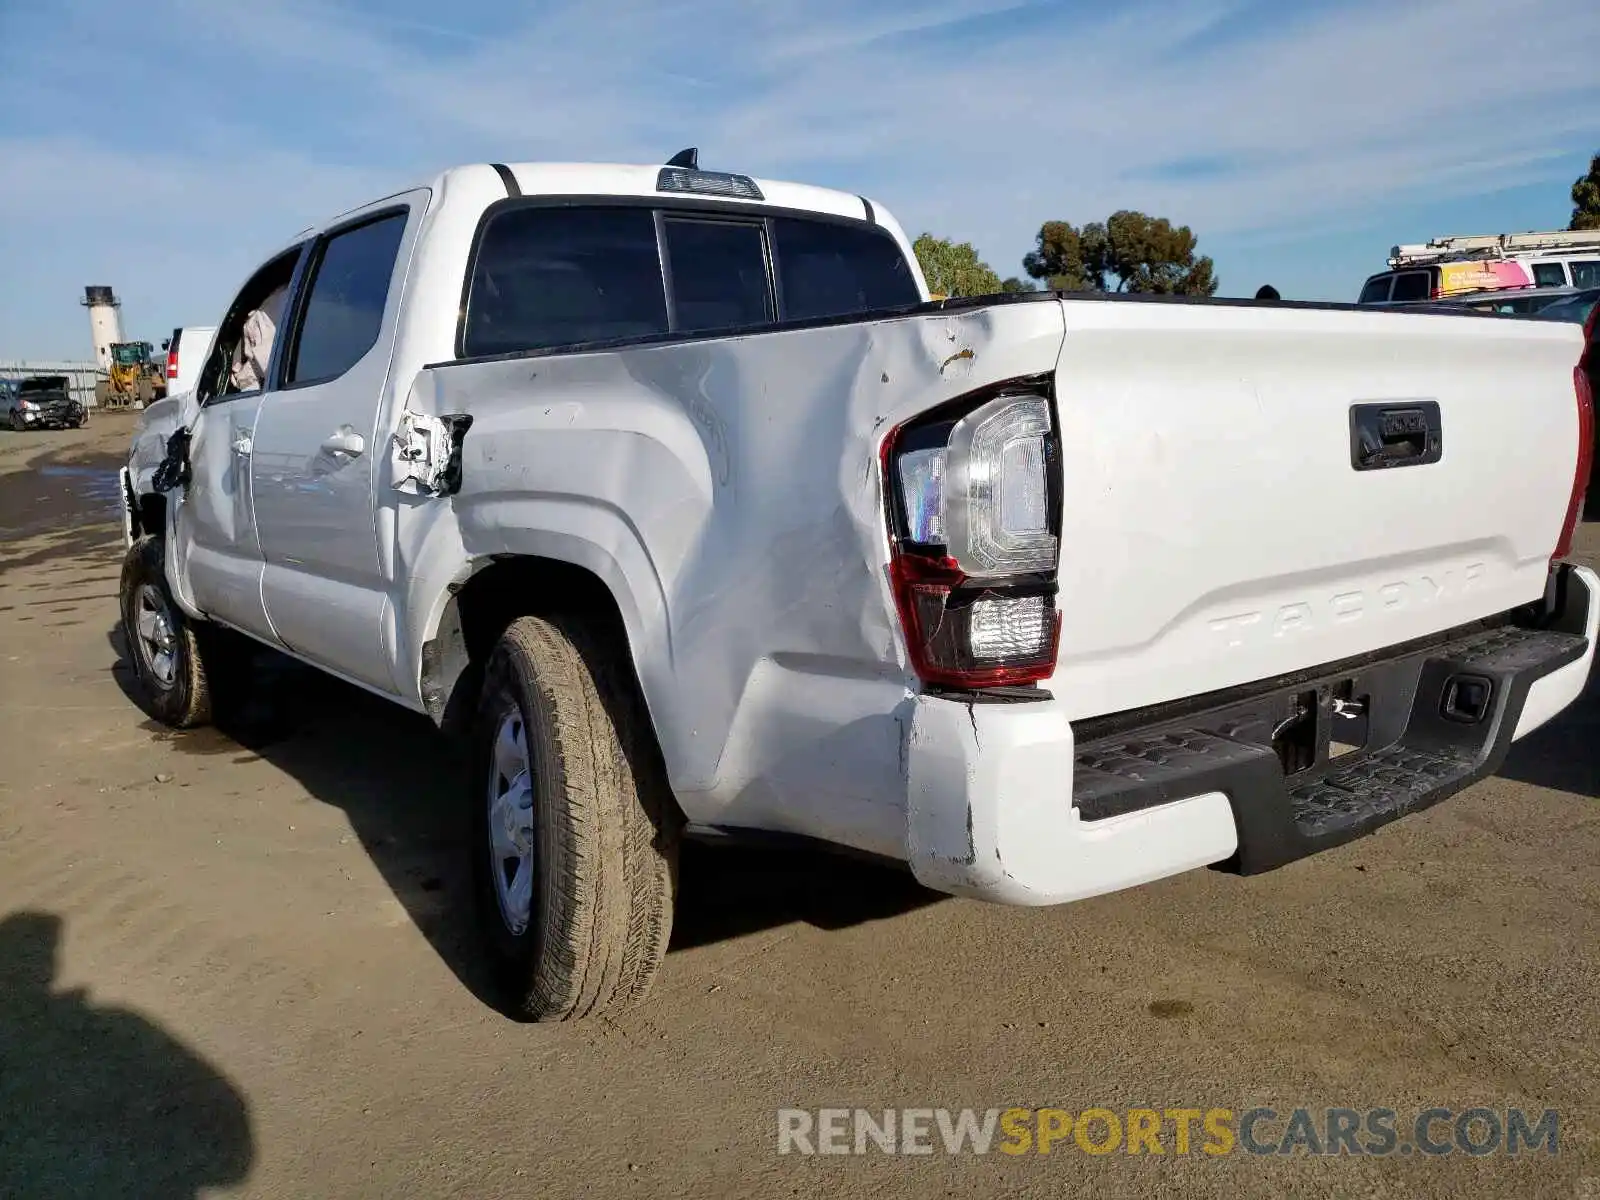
(1009, 803)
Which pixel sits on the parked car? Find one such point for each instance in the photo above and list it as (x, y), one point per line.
(675, 494)
(186, 354)
(1515, 300)
(1576, 308)
(43, 402)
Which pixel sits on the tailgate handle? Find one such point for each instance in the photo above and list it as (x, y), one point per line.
(1395, 434)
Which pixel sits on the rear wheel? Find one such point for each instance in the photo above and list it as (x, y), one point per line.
(575, 832)
(170, 652)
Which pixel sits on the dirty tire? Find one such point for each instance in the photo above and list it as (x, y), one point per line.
(605, 826)
(185, 700)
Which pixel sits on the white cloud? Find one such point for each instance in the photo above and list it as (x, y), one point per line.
(977, 118)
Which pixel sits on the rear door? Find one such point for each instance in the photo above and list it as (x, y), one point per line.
(1241, 500)
(314, 470)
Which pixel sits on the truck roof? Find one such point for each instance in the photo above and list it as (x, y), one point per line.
(642, 181)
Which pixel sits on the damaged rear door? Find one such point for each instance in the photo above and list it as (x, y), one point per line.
(317, 447)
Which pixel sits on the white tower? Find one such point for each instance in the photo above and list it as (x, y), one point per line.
(105, 323)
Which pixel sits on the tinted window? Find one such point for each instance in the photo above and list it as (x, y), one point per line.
(349, 289)
(1376, 291)
(1548, 275)
(1576, 309)
(1586, 274)
(563, 276)
(719, 275)
(827, 270)
(1413, 285)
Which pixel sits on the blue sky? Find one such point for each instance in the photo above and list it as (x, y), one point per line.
(166, 146)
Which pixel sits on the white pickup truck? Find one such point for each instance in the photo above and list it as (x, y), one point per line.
(675, 490)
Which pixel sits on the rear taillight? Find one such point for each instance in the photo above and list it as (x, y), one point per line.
(1584, 392)
(172, 363)
(974, 520)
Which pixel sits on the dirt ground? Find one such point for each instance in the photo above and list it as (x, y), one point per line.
(233, 963)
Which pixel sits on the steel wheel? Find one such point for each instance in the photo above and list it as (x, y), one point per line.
(157, 642)
(510, 800)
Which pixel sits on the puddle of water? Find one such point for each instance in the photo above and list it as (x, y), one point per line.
(53, 496)
(93, 483)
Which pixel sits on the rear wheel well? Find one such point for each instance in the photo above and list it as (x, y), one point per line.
(483, 607)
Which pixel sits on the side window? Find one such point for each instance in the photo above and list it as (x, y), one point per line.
(719, 275)
(242, 349)
(546, 277)
(1376, 290)
(1412, 285)
(343, 309)
(1549, 275)
(1586, 274)
(828, 270)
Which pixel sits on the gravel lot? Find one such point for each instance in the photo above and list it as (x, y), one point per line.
(233, 962)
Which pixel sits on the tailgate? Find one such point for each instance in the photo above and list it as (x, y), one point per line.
(1216, 530)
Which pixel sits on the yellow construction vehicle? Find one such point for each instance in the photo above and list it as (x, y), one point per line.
(132, 379)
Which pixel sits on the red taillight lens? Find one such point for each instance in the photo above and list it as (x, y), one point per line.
(1584, 392)
(172, 364)
(965, 636)
(974, 514)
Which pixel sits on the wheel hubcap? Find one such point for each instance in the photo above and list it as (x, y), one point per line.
(511, 822)
(158, 645)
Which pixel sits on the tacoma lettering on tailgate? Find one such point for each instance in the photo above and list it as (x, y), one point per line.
(1344, 607)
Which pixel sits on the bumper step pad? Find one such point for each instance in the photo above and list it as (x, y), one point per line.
(1418, 752)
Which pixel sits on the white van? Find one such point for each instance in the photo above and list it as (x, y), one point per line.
(1448, 266)
(186, 354)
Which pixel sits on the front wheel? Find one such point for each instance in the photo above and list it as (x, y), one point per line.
(162, 641)
(575, 832)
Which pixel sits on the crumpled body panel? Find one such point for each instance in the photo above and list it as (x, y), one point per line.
(728, 492)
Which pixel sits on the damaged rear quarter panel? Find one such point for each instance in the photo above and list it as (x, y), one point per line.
(728, 492)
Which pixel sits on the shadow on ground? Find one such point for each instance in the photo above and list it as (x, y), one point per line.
(402, 784)
(98, 1101)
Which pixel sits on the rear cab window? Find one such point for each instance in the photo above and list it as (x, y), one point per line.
(829, 270)
(718, 274)
(545, 276)
(1586, 274)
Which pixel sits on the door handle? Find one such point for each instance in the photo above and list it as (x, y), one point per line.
(346, 442)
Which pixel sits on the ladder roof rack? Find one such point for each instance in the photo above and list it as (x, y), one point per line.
(1495, 245)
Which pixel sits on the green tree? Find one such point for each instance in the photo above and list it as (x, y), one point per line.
(1013, 284)
(954, 269)
(1062, 260)
(1129, 252)
(1586, 198)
